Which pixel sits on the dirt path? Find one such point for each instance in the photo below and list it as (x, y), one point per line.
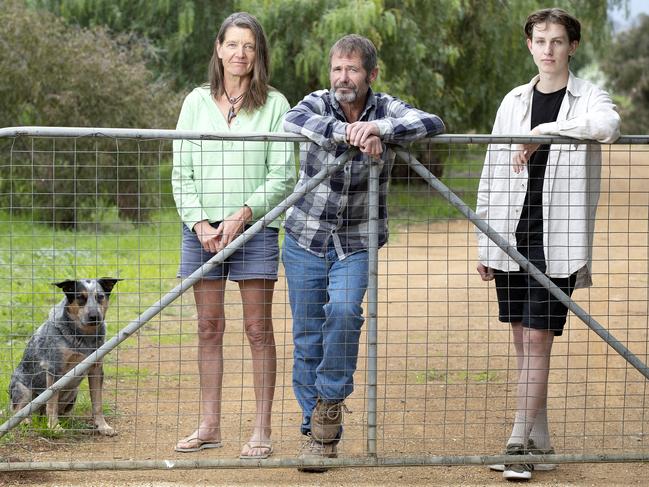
(445, 375)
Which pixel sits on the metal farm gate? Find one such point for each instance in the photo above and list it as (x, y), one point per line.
(436, 378)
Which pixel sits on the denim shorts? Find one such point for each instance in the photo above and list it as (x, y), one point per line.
(257, 259)
(522, 299)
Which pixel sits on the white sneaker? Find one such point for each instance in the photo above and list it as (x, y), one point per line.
(532, 450)
(517, 471)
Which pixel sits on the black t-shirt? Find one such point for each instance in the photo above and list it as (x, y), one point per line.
(529, 232)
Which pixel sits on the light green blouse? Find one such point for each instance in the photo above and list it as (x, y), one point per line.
(213, 179)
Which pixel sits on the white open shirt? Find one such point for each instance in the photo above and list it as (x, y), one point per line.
(571, 184)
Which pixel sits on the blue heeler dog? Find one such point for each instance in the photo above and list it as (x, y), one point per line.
(75, 329)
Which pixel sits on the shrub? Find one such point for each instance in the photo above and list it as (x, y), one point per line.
(54, 74)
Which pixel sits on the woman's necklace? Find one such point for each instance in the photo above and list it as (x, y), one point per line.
(233, 101)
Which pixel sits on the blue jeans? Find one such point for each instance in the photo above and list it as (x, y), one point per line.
(326, 294)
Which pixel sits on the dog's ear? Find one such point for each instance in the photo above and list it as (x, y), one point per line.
(69, 288)
(107, 284)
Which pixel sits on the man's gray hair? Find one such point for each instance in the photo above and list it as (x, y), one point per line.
(353, 43)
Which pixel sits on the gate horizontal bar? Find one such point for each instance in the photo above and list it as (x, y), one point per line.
(288, 137)
(410, 461)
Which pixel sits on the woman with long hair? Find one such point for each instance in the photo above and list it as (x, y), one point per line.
(219, 188)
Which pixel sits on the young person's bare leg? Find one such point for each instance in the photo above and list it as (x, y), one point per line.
(532, 382)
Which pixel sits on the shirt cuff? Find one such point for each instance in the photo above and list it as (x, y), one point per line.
(340, 133)
(252, 213)
(192, 218)
(551, 128)
(385, 126)
(256, 203)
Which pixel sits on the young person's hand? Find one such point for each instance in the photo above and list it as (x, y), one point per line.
(486, 273)
(524, 152)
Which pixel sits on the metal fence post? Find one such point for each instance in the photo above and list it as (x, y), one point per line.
(372, 305)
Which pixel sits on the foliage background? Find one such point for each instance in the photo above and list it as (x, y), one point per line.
(627, 69)
(55, 73)
(456, 58)
(129, 63)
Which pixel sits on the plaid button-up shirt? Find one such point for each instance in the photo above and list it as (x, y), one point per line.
(337, 208)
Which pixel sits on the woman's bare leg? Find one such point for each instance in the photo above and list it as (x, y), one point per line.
(208, 295)
(257, 298)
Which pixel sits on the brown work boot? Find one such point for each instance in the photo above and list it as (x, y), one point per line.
(326, 420)
(312, 450)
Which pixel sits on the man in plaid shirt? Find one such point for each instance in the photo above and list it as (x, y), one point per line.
(325, 249)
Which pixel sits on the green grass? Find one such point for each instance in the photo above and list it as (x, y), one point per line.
(417, 202)
(431, 375)
(163, 339)
(455, 377)
(33, 255)
(121, 371)
(6, 368)
(77, 422)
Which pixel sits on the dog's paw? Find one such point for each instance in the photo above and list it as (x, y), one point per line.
(106, 430)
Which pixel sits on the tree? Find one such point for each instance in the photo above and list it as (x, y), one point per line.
(51, 73)
(457, 58)
(180, 33)
(627, 69)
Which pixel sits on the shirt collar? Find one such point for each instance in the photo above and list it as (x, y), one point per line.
(573, 86)
(524, 92)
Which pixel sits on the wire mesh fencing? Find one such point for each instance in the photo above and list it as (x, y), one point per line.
(93, 204)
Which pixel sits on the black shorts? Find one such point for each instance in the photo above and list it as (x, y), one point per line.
(522, 299)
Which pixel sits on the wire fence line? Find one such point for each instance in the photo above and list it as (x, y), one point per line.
(186, 284)
(525, 264)
(458, 382)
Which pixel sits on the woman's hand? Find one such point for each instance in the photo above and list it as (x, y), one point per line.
(207, 235)
(232, 226)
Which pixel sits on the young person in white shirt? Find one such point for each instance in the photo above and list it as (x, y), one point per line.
(542, 199)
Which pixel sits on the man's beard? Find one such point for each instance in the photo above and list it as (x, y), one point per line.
(348, 97)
